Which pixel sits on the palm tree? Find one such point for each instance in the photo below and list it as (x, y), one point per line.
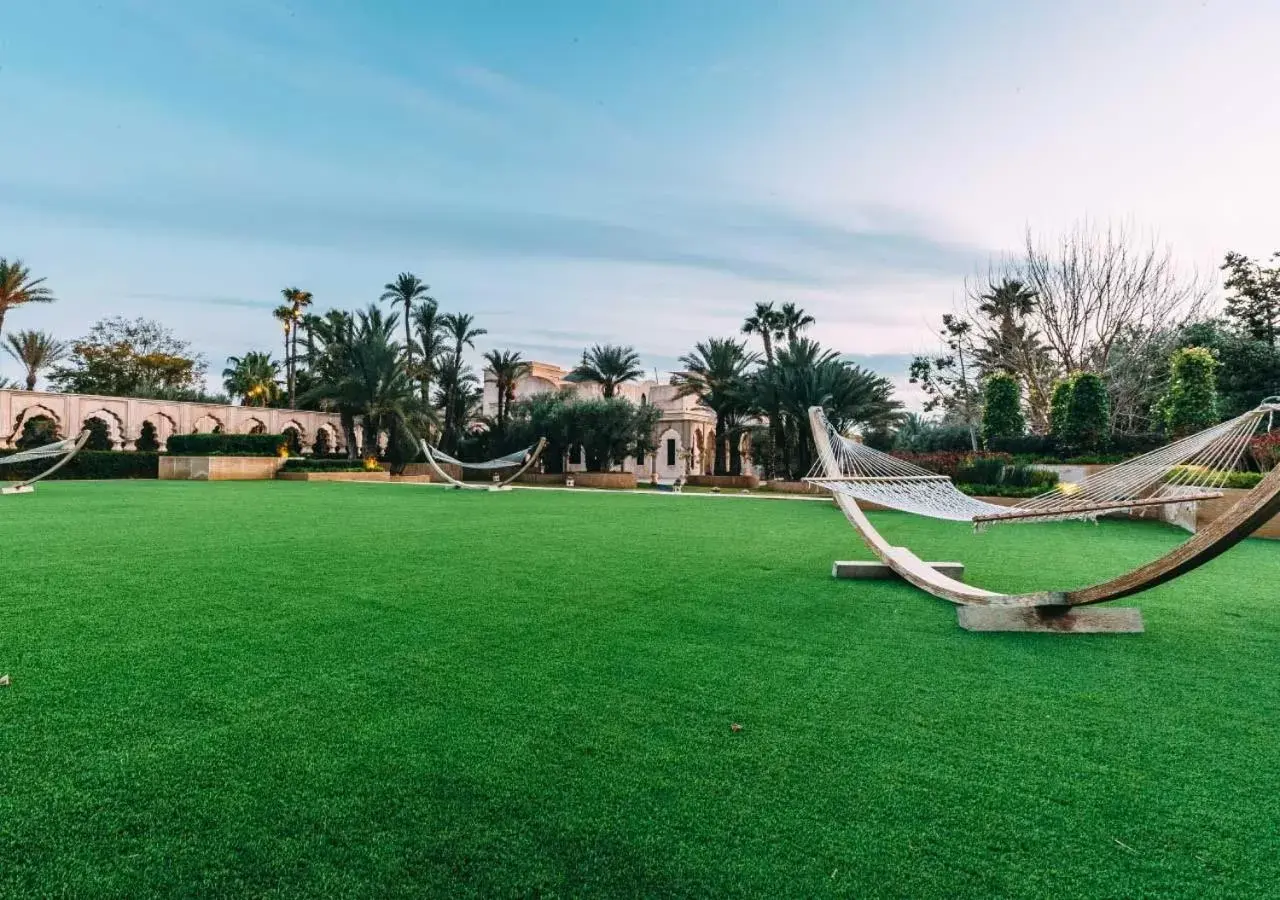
(806, 375)
(608, 366)
(297, 301)
(428, 324)
(18, 287)
(461, 397)
(767, 323)
(716, 373)
(793, 320)
(284, 315)
(405, 290)
(361, 373)
(36, 351)
(254, 378)
(507, 368)
(457, 328)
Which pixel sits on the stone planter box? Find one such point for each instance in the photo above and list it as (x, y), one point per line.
(422, 470)
(333, 476)
(617, 480)
(725, 482)
(540, 478)
(219, 468)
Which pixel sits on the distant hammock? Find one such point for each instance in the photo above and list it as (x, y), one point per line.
(66, 449)
(524, 459)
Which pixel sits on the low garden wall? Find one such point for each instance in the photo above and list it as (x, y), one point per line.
(728, 482)
(423, 471)
(540, 478)
(219, 468)
(616, 480)
(793, 487)
(333, 476)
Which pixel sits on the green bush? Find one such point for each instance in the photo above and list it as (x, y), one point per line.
(982, 470)
(1060, 407)
(307, 464)
(1020, 476)
(226, 444)
(999, 490)
(1002, 408)
(1191, 402)
(1242, 480)
(1088, 413)
(88, 464)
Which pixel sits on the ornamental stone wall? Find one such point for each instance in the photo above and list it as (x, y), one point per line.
(125, 416)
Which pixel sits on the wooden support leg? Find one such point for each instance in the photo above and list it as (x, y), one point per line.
(859, 570)
(1055, 619)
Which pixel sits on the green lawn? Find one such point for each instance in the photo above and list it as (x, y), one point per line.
(281, 689)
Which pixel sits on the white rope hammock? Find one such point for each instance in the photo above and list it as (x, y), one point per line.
(524, 459)
(66, 449)
(1190, 469)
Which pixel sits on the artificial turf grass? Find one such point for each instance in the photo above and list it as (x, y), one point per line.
(286, 689)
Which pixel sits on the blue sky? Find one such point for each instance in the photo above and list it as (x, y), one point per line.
(573, 172)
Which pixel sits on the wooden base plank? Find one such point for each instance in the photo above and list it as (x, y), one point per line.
(18, 489)
(859, 570)
(1056, 619)
(495, 488)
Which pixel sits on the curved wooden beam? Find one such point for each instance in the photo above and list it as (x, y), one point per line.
(1254, 509)
(528, 463)
(24, 487)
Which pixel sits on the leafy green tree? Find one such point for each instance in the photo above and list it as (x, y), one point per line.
(1088, 412)
(1002, 408)
(1249, 368)
(716, 373)
(1060, 407)
(948, 378)
(131, 358)
(99, 434)
(608, 366)
(148, 439)
(1191, 402)
(407, 290)
(609, 429)
(36, 351)
(295, 301)
(252, 378)
(18, 288)
(1254, 298)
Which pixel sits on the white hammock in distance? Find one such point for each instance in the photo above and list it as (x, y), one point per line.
(523, 459)
(65, 449)
(1191, 469)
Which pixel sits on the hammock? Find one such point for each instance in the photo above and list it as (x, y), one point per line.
(66, 449)
(521, 458)
(1188, 470)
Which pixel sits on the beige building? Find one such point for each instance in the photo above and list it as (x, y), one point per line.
(124, 418)
(685, 434)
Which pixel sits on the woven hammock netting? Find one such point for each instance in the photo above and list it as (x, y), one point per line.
(502, 462)
(1192, 468)
(60, 448)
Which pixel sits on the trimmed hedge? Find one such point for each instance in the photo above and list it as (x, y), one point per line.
(88, 464)
(306, 464)
(226, 444)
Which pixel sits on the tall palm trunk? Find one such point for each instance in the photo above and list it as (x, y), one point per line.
(735, 454)
(408, 340)
(718, 452)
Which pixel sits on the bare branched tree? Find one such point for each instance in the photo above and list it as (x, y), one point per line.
(1103, 299)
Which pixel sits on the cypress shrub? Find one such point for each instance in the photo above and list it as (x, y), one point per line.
(1088, 412)
(1002, 408)
(1191, 402)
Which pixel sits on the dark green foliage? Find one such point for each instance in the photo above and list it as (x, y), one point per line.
(88, 464)
(411, 702)
(1060, 407)
(919, 435)
(1080, 413)
(99, 434)
(322, 445)
(1039, 445)
(226, 444)
(130, 358)
(293, 441)
(1253, 299)
(38, 431)
(605, 430)
(1191, 402)
(1249, 368)
(1002, 408)
(148, 440)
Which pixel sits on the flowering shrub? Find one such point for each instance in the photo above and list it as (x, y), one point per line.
(1265, 450)
(950, 464)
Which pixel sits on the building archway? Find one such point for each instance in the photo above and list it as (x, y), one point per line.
(28, 413)
(207, 424)
(107, 430)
